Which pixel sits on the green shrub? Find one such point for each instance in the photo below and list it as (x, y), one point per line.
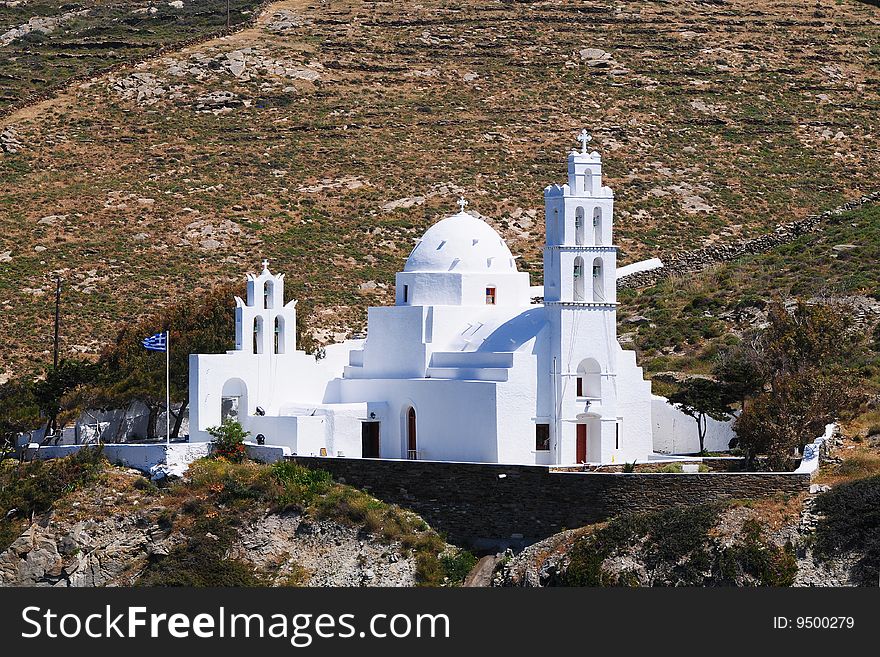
(229, 441)
(675, 538)
(200, 561)
(769, 564)
(851, 523)
(457, 566)
(32, 488)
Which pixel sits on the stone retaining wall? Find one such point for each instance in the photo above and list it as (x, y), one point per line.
(495, 506)
(694, 261)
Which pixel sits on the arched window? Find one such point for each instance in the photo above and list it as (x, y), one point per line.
(412, 451)
(579, 279)
(597, 226)
(588, 181)
(279, 334)
(269, 294)
(589, 379)
(579, 229)
(258, 335)
(598, 281)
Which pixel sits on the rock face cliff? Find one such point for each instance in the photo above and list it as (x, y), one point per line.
(767, 544)
(116, 530)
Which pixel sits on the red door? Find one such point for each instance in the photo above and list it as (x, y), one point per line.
(582, 443)
(411, 434)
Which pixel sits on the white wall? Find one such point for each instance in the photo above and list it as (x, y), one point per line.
(676, 433)
(642, 265)
(146, 458)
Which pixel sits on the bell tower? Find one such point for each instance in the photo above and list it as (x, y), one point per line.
(263, 323)
(580, 295)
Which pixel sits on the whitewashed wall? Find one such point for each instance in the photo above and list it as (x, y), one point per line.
(676, 433)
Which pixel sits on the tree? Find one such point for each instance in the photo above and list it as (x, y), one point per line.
(780, 421)
(19, 412)
(203, 323)
(806, 337)
(805, 355)
(49, 393)
(701, 399)
(740, 369)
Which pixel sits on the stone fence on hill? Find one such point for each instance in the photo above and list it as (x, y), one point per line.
(491, 506)
(159, 51)
(694, 261)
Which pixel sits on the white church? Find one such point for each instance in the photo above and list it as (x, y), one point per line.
(466, 366)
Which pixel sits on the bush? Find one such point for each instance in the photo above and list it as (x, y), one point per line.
(457, 566)
(201, 561)
(674, 539)
(851, 523)
(229, 441)
(32, 488)
(766, 562)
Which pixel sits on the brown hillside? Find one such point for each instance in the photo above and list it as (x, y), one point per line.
(333, 133)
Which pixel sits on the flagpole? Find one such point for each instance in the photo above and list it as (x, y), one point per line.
(167, 387)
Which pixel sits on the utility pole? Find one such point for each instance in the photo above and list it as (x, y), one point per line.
(57, 319)
(53, 424)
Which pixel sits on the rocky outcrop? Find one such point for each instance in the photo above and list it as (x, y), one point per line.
(321, 553)
(95, 552)
(41, 24)
(10, 141)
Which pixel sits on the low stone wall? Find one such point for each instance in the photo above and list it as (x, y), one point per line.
(157, 459)
(495, 506)
(694, 261)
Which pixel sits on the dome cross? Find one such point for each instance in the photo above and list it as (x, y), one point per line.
(584, 137)
(462, 204)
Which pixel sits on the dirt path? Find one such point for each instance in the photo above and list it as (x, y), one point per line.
(481, 575)
(65, 96)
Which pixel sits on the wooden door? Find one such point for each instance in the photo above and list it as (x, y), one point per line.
(581, 443)
(370, 440)
(411, 434)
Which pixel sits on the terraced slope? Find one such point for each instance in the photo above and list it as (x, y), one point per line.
(44, 45)
(332, 134)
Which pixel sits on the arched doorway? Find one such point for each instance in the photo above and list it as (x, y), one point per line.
(233, 400)
(412, 452)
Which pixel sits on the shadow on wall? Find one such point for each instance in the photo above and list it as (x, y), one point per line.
(513, 334)
(111, 426)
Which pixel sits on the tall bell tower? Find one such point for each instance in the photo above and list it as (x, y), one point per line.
(580, 295)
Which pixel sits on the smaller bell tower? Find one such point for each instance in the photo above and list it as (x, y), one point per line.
(263, 323)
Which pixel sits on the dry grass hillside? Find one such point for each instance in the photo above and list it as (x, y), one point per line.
(331, 134)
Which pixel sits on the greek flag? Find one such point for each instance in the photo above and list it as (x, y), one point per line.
(155, 342)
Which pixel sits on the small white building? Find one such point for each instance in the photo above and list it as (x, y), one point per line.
(465, 366)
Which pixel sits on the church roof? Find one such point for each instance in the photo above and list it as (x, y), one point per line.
(461, 243)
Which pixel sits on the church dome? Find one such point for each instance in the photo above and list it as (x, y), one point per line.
(461, 244)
